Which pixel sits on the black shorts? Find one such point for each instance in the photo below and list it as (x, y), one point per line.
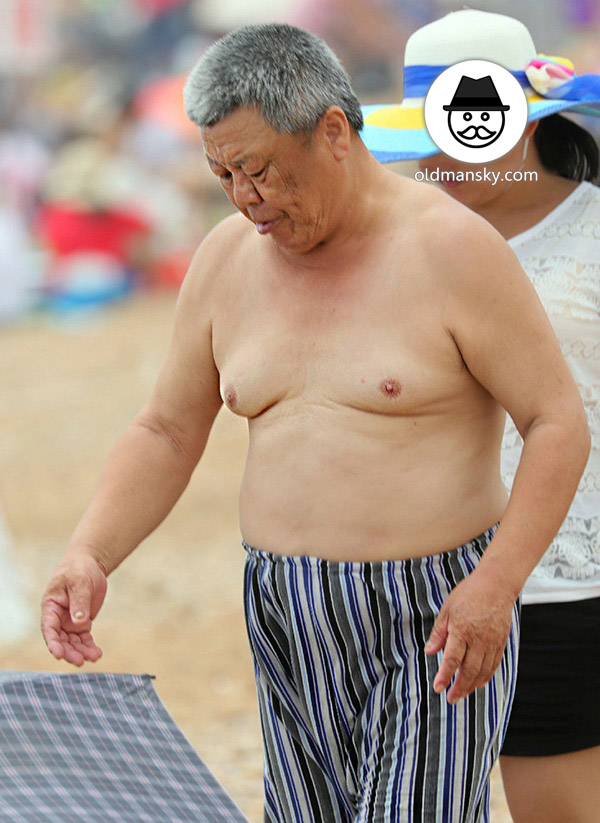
(556, 707)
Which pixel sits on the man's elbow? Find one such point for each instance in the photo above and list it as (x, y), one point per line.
(571, 431)
(585, 436)
(182, 446)
(581, 438)
(576, 438)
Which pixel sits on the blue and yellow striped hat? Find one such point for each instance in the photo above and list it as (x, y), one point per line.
(398, 132)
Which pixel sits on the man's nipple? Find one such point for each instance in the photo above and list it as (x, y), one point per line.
(390, 387)
(230, 397)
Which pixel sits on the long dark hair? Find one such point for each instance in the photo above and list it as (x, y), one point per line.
(567, 149)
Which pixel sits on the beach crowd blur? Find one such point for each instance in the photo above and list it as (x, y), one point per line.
(103, 186)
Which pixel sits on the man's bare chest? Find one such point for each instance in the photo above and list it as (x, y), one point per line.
(373, 346)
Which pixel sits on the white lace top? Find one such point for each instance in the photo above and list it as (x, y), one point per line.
(561, 255)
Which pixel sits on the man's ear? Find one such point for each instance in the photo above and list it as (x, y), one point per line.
(336, 131)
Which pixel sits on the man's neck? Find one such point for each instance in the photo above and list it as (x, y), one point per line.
(351, 217)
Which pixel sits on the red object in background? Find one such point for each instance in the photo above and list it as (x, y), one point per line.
(25, 21)
(157, 7)
(161, 102)
(68, 230)
(170, 270)
(28, 31)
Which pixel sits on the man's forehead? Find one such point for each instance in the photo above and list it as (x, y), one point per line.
(242, 138)
(237, 149)
(237, 130)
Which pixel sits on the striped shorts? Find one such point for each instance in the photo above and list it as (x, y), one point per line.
(352, 729)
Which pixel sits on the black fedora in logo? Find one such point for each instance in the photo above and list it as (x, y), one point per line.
(476, 95)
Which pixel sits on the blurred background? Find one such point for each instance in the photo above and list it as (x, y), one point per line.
(104, 196)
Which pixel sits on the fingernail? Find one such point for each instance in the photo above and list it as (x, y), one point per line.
(79, 615)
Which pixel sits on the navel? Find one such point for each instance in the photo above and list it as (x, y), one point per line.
(390, 387)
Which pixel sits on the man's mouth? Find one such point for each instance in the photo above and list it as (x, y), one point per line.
(265, 226)
(476, 133)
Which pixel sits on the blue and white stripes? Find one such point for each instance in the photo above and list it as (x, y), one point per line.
(353, 731)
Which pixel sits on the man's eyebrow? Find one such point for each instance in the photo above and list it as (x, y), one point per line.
(237, 163)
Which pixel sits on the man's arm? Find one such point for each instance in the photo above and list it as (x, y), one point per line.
(146, 472)
(507, 342)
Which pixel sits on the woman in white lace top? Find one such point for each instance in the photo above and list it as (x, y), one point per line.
(551, 755)
(550, 215)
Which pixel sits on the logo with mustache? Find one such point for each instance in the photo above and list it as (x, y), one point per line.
(476, 113)
(467, 111)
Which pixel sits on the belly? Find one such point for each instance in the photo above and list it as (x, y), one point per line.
(342, 484)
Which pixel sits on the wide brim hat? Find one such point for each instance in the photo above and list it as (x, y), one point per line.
(398, 132)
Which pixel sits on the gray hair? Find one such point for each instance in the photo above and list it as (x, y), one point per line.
(292, 77)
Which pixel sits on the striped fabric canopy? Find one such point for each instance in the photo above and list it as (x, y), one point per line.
(99, 748)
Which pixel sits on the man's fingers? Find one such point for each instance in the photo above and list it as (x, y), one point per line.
(487, 669)
(468, 674)
(85, 646)
(476, 669)
(498, 658)
(54, 644)
(453, 657)
(77, 651)
(55, 648)
(71, 600)
(66, 638)
(439, 634)
(80, 598)
(93, 651)
(71, 655)
(75, 641)
(51, 628)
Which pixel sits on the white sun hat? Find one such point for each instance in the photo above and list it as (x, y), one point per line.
(398, 132)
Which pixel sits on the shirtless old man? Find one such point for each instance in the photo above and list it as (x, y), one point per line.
(372, 331)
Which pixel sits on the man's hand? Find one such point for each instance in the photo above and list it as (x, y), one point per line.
(71, 601)
(472, 627)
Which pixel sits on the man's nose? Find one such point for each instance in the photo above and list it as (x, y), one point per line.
(244, 192)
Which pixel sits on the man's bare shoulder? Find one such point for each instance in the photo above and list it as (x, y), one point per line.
(452, 244)
(460, 244)
(235, 227)
(430, 214)
(438, 217)
(227, 241)
(207, 282)
(472, 268)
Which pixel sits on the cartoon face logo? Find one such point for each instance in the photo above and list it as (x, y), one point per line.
(476, 113)
(476, 129)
